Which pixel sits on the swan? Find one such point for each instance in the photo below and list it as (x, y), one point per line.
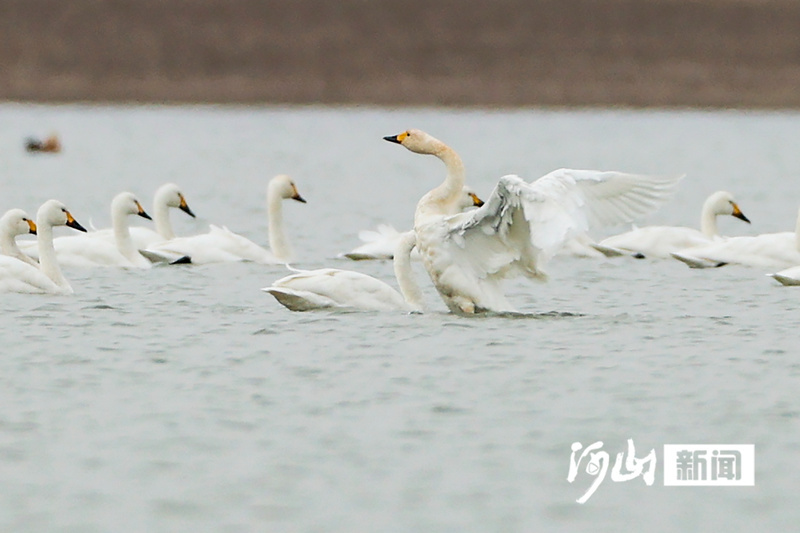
(660, 241)
(221, 245)
(381, 244)
(768, 250)
(519, 228)
(18, 276)
(89, 251)
(167, 196)
(788, 276)
(328, 288)
(15, 222)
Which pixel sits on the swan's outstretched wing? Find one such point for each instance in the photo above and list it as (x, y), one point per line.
(523, 225)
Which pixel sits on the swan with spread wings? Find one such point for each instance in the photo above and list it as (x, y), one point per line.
(520, 227)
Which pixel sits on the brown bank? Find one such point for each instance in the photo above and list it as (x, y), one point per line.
(729, 53)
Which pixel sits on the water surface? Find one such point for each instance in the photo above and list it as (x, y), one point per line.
(185, 399)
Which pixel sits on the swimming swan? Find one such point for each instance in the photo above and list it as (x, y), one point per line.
(768, 250)
(16, 222)
(381, 244)
(661, 241)
(328, 288)
(220, 244)
(788, 276)
(519, 228)
(88, 251)
(18, 276)
(167, 196)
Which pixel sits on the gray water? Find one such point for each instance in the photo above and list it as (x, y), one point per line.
(185, 399)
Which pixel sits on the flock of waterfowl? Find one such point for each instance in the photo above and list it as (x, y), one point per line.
(467, 246)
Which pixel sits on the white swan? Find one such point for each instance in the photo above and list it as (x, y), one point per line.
(88, 251)
(381, 244)
(167, 196)
(768, 251)
(18, 276)
(221, 245)
(15, 222)
(661, 241)
(788, 276)
(328, 288)
(519, 228)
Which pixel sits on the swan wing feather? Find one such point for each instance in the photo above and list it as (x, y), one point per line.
(523, 225)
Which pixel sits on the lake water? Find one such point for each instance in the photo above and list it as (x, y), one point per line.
(185, 399)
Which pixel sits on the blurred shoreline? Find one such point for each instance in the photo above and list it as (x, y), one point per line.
(507, 53)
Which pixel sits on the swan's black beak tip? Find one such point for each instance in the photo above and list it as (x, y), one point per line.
(741, 216)
(185, 209)
(392, 139)
(75, 225)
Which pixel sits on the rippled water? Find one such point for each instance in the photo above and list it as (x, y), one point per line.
(185, 399)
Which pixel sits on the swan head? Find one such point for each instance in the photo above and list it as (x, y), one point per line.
(417, 141)
(17, 222)
(469, 199)
(170, 195)
(126, 203)
(285, 188)
(722, 203)
(54, 213)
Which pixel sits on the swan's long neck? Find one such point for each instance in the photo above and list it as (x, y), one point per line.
(161, 219)
(277, 238)
(443, 199)
(708, 220)
(122, 235)
(402, 271)
(47, 255)
(797, 232)
(8, 243)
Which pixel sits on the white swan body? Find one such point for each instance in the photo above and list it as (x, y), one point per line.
(19, 276)
(661, 241)
(380, 244)
(768, 250)
(519, 228)
(222, 245)
(90, 251)
(15, 222)
(789, 276)
(328, 288)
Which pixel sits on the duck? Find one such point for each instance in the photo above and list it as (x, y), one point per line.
(520, 227)
(768, 251)
(381, 243)
(13, 223)
(332, 288)
(661, 241)
(222, 245)
(51, 144)
(46, 278)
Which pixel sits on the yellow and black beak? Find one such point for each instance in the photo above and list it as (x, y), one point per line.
(738, 214)
(397, 138)
(296, 195)
(31, 225)
(185, 207)
(477, 202)
(72, 223)
(141, 212)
